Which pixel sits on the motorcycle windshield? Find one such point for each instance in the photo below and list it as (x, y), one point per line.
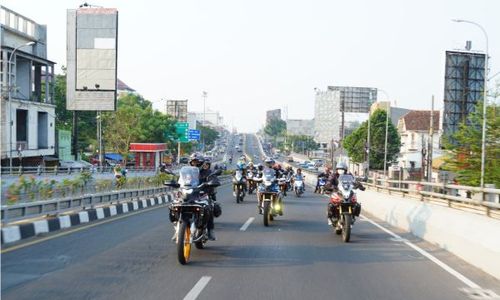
(189, 177)
(347, 178)
(269, 174)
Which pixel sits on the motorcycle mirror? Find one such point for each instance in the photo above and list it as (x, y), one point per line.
(171, 183)
(218, 172)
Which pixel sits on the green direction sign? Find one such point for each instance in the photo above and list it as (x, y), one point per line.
(182, 129)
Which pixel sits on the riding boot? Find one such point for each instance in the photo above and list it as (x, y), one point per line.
(211, 235)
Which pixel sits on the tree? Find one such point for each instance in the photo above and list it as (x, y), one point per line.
(275, 128)
(301, 143)
(208, 135)
(356, 142)
(465, 151)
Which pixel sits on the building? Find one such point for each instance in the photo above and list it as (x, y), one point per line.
(210, 118)
(414, 129)
(463, 87)
(340, 108)
(300, 127)
(395, 112)
(122, 89)
(27, 79)
(273, 114)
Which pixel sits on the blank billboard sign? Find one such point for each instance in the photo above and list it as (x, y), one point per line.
(91, 58)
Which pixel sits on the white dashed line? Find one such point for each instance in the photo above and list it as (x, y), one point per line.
(197, 288)
(432, 258)
(247, 223)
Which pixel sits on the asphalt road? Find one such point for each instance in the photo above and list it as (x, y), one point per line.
(297, 257)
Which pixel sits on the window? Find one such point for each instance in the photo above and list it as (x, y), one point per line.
(3, 16)
(43, 130)
(22, 125)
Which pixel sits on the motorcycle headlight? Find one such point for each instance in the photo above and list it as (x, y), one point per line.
(187, 192)
(268, 183)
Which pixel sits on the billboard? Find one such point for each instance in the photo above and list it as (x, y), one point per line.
(463, 87)
(92, 42)
(178, 109)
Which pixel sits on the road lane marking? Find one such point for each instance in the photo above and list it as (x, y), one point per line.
(247, 223)
(432, 258)
(39, 240)
(197, 288)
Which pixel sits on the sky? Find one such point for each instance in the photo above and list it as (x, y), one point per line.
(253, 56)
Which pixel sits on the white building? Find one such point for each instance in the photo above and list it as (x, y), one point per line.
(413, 128)
(300, 127)
(212, 118)
(27, 79)
(355, 102)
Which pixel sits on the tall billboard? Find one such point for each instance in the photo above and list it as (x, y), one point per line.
(463, 87)
(92, 42)
(178, 109)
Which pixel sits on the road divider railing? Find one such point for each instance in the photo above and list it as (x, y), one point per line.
(472, 199)
(57, 170)
(31, 219)
(480, 200)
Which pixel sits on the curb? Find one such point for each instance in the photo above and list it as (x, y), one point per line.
(19, 232)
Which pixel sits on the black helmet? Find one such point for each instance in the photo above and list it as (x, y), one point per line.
(196, 160)
(260, 167)
(269, 162)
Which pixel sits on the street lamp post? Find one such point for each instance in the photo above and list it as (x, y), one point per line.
(386, 129)
(485, 89)
(204, 94)
(11, 123)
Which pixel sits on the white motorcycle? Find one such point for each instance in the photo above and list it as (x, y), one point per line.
(298, 186)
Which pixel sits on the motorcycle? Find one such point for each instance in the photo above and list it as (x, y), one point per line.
(298, 186)
(343, 207)
(270, 200)
(190, 210)
(239, 183)
(252, 185)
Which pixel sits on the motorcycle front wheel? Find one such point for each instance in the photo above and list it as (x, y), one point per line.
(183, 243)
(346, 230)
(267, 213)
(238, 194)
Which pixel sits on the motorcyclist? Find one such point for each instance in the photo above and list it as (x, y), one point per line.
(240, 166)
(326, 174)
(197, 160)
(268, 164)
(333, 182)
(299, 176)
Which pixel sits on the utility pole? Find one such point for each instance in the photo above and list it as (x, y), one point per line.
(99, 136)
(75, 134)
(204, 94)
(431, 143)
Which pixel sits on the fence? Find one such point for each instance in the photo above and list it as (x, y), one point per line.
(56, 170)
(39, 208)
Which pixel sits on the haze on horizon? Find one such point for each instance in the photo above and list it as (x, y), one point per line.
(259, 55)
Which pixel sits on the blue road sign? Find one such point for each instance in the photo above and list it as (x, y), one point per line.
(193, 134)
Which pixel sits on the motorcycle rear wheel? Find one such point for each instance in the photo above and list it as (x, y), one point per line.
(183, 243)
(201, 243)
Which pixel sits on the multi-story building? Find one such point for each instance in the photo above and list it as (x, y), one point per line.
(395, 112)
(27, 89)
(300, 127)
(414, 129)
(210, 118)
(338, 108)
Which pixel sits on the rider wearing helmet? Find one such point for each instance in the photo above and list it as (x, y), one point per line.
(326, 174)
(197, 160)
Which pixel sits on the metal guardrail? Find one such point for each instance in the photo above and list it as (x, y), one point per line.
(476, 199)
(56, 170)
(56, 206)
(35, 209)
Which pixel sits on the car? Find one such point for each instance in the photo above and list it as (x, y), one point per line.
(78, 164)
(289, 159)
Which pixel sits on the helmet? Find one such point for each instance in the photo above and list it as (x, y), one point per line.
(196, 159)
(299, 170)
(250, 164)
(260, 167)
(207, 162)
(240, 165)
(269, 162)
(243, 158)
(342, 166)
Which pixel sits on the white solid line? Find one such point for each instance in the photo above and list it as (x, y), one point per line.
(197, 288)
(432, 258)
(247, 223)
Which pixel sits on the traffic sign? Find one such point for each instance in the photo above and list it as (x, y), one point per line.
(182, 129)
(194, 134)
